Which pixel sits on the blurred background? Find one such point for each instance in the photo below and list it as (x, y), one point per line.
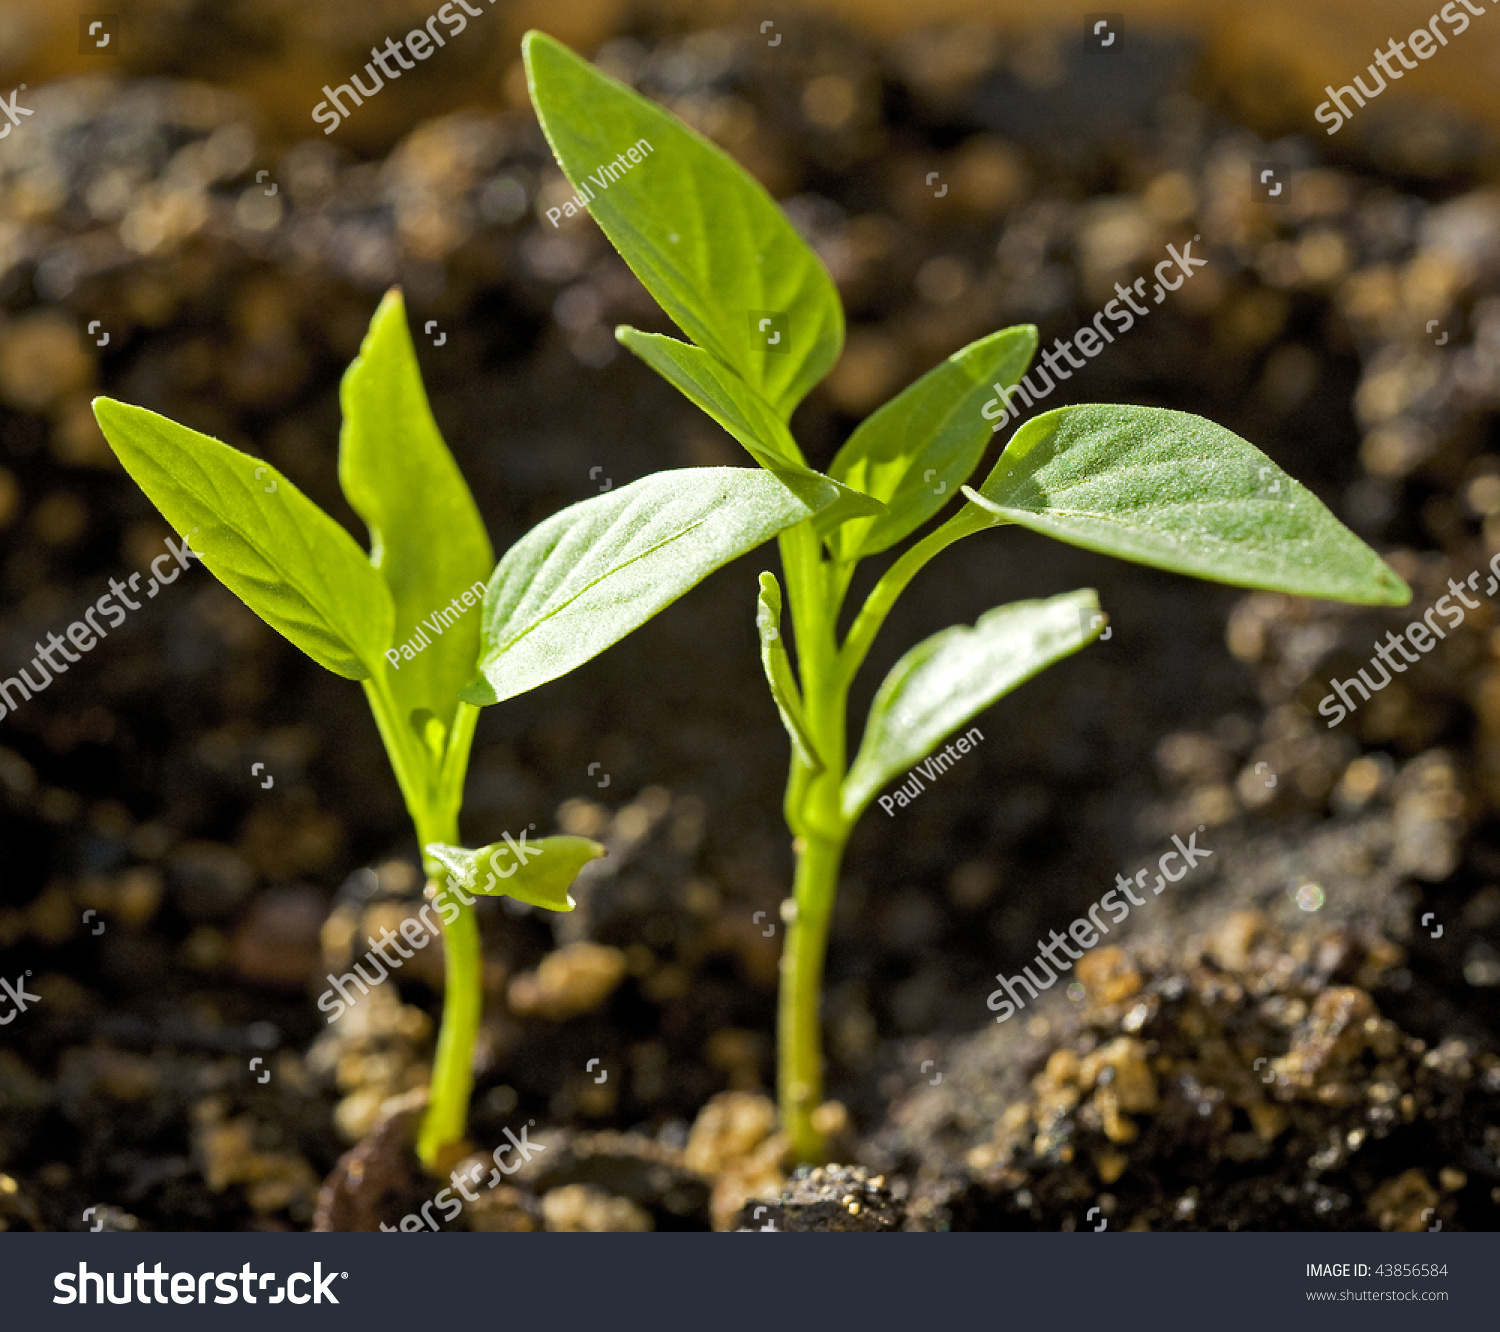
(177, 232)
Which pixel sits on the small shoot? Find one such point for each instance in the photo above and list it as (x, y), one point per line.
(1159, 487)
(429, 624)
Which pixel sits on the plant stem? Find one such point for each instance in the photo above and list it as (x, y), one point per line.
(820, 834)
(893, 583)
(799, 1008)
(814, 810)
(433, 805)
(453, 1063)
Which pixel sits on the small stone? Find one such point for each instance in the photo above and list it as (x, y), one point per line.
(1110, 1165)
(1268, 1121)
(1133, 1084)
(574, 980)
(1333, 1035)
(1109, 975)
(1062, 1067)
(501, 1210)
(831, 1119)
(761, 1174)
(587, 1208)
(1399, 1203)
(1234, 941)
(728, 1128)
(126, 1077)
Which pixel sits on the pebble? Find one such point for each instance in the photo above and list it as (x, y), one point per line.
(574, 980)
(733, 1142)
(728, 1128)
(274, 1181)
(501, 1210)
(586, 1207)
(1399, 1203)
(376, 1051)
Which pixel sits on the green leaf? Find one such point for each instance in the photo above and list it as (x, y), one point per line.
(917, 450)
(702, 235)
(778, 668)
(715, 388)
(587, 576)
(538, 872)
(952, 676)
(1178, 492)
(426, 537)
(260, 536)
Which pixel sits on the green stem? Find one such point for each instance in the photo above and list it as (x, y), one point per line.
(433, 791)
(814, 590)
(453, 1063)
(893, 583)
(799, 1015)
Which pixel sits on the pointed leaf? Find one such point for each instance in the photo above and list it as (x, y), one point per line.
(957, 673)
(538, 872)
(1178, 492)
(426, 536)
(778, 670)
(715, 388)
(702, 235)
(917, 450)
(260, 536)
(587, 576)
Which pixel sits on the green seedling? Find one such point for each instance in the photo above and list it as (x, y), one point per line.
(765, 324)
(428, 622)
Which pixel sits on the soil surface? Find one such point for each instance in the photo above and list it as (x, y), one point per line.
(198, 821)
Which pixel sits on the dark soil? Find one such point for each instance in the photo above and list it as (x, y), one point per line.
(134, 1087)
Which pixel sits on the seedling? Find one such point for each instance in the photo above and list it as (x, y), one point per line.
(1159, 487)
(407, 620)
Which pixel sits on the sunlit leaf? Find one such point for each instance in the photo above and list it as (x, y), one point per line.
(260, 536)
(1179, 492)
(916, 451)
(949, 678)
(589, 575)
(702, 235)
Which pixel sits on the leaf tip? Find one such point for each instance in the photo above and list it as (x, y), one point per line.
(104, 406)
(114, 419)
(1397, 592)
(392, 309)
(535, 42)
